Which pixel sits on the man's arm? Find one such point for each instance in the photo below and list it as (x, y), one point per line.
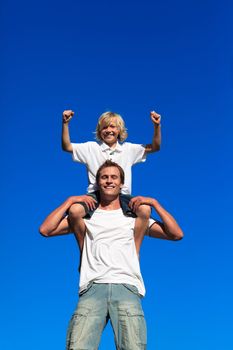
(66, 144)
(156, 141)
(168, 228)
(57, 223)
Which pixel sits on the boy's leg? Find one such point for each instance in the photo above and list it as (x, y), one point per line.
(77, 212)
(142, 216)
(141, 224)
(124, 201)
(75, 218)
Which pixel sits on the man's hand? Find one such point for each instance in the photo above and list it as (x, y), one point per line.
(135, 202)
(88, 200)
(155, 117)
(67, 115)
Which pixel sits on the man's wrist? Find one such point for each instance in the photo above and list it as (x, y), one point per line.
(154, 203)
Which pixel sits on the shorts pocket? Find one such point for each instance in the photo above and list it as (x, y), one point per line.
(88, 291)
(132, 327)
(132, 289)
(76, 330)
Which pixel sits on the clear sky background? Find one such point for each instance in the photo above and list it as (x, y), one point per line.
(175, 57)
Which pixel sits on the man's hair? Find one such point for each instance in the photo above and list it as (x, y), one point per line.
(109, 164)
(105, 120)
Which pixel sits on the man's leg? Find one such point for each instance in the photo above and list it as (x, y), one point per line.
(89, 319)
(127, 318)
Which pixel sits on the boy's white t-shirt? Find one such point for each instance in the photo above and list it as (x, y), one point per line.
(94, 154)
(109, 253)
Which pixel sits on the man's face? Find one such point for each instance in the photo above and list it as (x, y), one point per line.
(109, 133)
(110, 182)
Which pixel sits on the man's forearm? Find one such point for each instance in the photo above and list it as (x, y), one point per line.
(169, 225)
(50, 225)
(57, 223)
(168, 228)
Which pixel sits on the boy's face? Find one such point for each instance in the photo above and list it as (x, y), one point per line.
(109, 132)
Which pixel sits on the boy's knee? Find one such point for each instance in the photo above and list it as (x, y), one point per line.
(76, 211)
(144, 211)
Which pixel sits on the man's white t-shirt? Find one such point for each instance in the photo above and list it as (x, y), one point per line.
(109, 253)
(94, 154)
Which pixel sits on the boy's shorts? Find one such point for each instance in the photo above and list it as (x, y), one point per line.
(124, 201)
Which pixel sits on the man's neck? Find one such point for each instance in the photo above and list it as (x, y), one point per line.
(109, 203)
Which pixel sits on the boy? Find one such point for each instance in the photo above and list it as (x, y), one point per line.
(111, 135)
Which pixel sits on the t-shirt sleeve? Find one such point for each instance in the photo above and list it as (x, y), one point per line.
(137, 152)
(152, 221)
(80, 152)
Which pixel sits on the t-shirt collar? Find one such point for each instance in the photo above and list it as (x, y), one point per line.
(104, 147)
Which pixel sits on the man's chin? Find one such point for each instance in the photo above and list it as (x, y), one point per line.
(108, 194)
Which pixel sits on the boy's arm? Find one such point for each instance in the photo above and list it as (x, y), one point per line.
(66, 144)
(156, 141)
(168, 228)
(56, 222)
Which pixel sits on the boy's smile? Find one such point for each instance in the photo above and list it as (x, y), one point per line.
(109, 133)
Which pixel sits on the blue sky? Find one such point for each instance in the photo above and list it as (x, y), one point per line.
(130, 57)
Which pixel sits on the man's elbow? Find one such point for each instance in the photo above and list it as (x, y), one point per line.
(177, 235)
(44, 231)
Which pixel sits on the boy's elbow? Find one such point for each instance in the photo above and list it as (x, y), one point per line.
(156, 148)
(67, 147)
(64, 148)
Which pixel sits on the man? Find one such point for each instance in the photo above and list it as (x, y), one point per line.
(111, 284)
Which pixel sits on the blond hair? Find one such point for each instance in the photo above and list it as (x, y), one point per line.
(105, 119)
